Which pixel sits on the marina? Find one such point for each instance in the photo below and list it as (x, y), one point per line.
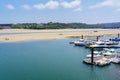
(104, 57)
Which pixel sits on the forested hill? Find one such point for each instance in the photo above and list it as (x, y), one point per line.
(51, 25)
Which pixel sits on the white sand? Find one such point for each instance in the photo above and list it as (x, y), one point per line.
(52, 34)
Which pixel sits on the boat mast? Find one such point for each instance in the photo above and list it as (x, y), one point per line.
(118, 35)
(82, 36)
(92, 55)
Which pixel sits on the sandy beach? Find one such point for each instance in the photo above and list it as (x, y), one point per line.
(28, 35)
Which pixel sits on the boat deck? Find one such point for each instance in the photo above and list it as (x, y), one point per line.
(88, 60)
(106, 46)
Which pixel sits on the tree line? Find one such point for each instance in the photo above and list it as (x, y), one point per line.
(52, 25)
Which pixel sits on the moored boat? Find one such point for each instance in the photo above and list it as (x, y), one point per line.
(115, 60)
(108, 52)
(95, 55)
(102, 62)
(81, 42)
(111, 43)
(104, 46)
(100, 43)
(115, 39)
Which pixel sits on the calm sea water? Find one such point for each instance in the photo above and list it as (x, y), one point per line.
(50, 60)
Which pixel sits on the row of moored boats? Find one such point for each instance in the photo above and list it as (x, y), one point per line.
(107, 55)
(111, 43)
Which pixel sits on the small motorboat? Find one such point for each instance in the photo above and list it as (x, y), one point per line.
(115, 39)
(96, 52)
(95, 55)
(81, 42)
(100, 43)
(98, 46)
(102, 62)
(108, 52)
(104, 46)
(111, 43)
(115, 60)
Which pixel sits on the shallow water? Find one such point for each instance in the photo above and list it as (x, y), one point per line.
(50, 60)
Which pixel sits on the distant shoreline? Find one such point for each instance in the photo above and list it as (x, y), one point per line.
(58, 25)
(56, 34)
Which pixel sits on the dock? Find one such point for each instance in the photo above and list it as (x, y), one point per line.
(104, 58)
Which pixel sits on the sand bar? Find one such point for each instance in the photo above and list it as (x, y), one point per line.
(52, 34)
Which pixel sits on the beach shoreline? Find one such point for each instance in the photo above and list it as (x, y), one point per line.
(52, 34)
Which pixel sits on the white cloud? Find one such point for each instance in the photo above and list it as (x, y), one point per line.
(52, 4)
(49, 5)
(71, 4)
(78, 9)
(107, 3)
(10, 6)
(39, 6)
(26, 7)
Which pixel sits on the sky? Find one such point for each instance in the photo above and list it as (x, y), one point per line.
(65, 11)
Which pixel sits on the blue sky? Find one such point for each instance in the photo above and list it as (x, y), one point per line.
(42, 11)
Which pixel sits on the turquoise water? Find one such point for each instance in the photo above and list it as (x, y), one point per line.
(50, 60)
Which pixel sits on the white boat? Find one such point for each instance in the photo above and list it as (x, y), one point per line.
(81, 42)
(95, 55)
(96, 52)
(102, 62)
(111, 43)
(115, 60)
(78, 43)
(104, 46)
(108, 52)
(98, 46)
(100, 43)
